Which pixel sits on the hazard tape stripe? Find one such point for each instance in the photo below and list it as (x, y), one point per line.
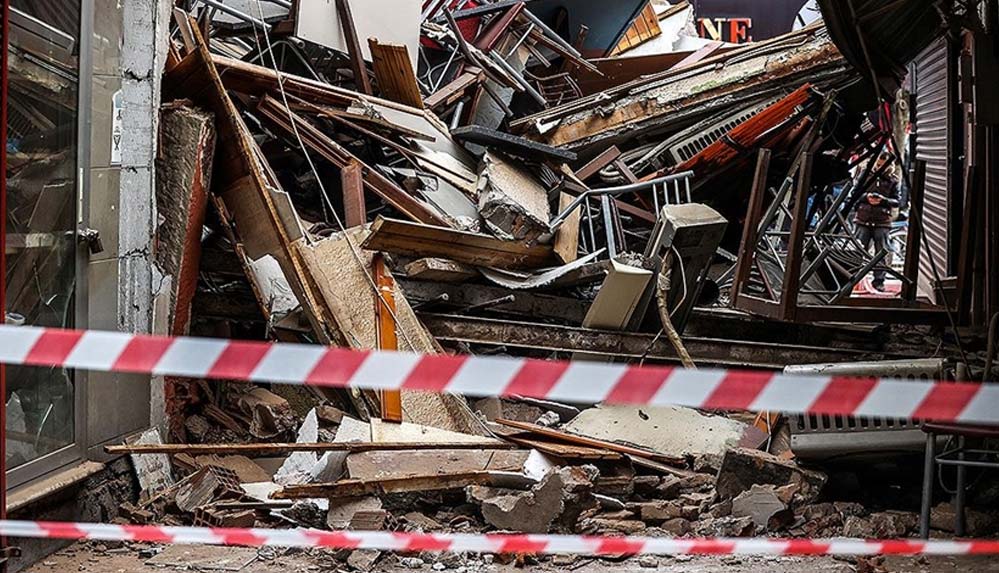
(489, 543)
(493, 376)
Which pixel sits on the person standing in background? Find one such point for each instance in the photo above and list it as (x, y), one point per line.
(874, 216)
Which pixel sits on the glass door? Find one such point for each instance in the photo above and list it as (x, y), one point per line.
(42, 218)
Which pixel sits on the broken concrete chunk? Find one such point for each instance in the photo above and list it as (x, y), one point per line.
(512, 202)
(659, 511)
(676, 527)
(502, 409)
(646, 486)
(881, 525)
(526, 511)
(297, 466)
(205, 486)
(977, 523)
(604, 526)
(743, 467)
(342, 510)
(670, 430)
(763, 506)
(153, 471)
(416, 521)
(669, 487)
(270, 414)
(363, 559)
(726, 527)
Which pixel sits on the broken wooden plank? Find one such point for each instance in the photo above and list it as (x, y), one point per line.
(356, 488)
(345, 293)
(390, 464)
(455, 90)
(512, 144)
(593, 443)
(386, 328)
(561, 449)
(394, 72)
(440, 270)
(566, 242)
(280, 449)
(352, 187)
(416, 240)
(357, 64)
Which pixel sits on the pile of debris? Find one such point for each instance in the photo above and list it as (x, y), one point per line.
(490, 178)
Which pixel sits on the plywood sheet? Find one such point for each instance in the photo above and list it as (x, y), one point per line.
(389, 21)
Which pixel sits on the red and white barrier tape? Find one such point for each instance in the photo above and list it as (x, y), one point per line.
(495, 376)
(490, 543)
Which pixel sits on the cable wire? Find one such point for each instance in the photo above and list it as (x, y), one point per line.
(322, 188)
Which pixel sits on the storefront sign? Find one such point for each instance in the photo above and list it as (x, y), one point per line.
(739, 21)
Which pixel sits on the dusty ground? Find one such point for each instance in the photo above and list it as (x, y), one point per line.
(98, 558)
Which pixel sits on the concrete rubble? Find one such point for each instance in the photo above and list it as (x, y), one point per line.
(485, 198)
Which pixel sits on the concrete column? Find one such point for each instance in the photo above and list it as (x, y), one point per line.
(144, 48)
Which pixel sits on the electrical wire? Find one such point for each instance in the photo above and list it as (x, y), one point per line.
(683, 279)
(354, 250)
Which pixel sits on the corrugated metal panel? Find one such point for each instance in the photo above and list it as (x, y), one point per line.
(933, 78)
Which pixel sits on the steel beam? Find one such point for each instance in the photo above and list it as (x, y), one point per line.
(625, 345)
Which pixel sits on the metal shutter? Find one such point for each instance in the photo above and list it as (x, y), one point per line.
(933, 78)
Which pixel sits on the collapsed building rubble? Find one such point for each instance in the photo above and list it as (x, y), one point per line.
(455, 184)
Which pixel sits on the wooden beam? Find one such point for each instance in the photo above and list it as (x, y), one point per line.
(416, 240)
(796, 240)
(566, 243)
(280, 449)
(352, 184)
(277, 116)
(598, 163)
(539, 337)
(391, 400)
(353, 47)
(394, 72)
(594, 443)
(512, 144)
(750, 228)
(455, 90)
(356, 488)
(912, 239)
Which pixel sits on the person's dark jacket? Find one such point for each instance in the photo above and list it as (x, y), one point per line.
(877, 215)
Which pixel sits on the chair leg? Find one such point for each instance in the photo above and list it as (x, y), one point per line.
(959, 520)
(928, 466)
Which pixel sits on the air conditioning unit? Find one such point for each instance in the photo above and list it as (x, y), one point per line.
(818, 436)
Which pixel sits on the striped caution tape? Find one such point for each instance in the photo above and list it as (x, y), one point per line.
(489, 543)
(497, 376)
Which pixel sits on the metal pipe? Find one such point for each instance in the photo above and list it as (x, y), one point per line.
(490, 303)
(929, 464)
(517, 77)
(551, 34)
(620, 190)
(608, 226)
(236, 14)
